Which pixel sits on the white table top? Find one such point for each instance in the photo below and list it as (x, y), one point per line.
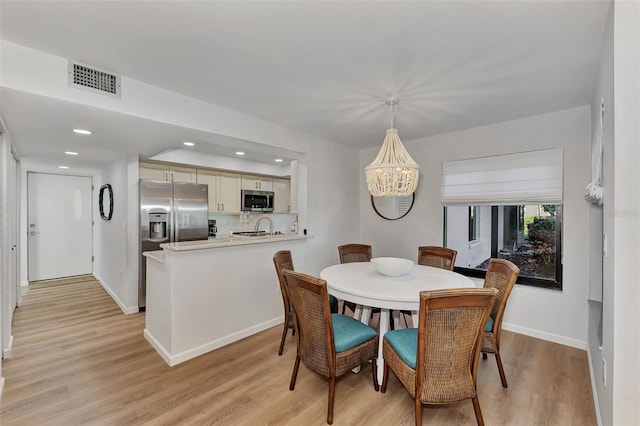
(359, 282)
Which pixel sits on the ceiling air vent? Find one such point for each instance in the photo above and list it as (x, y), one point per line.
(88, 78)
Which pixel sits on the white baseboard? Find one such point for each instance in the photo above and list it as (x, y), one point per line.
(172, 360)
(164, 354)
(555, 338)
(594, 389)
(125, 309)
(24, 284)
(7, 352)
(1, 387)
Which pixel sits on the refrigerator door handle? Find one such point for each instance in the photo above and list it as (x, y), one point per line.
(174, 221)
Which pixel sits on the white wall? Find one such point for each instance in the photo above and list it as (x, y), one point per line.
(596, 321)
(110, 236)
(331, 198)
(470, 254)
(622, 223)
(554, 315)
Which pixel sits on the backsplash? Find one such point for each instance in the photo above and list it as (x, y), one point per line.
(246, 221)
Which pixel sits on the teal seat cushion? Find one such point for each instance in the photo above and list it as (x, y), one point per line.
(349, 333)
(333, 303)
(489, 327)
(405, 342)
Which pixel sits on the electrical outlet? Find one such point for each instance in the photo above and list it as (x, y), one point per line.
(604, 372)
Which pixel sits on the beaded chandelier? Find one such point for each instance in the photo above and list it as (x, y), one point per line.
(393, 173)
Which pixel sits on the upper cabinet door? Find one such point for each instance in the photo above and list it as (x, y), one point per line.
(257, 183)
(153, 171)
(167, 172)
(182, 174)
(210, 178)
(229, 192)
(282, 195)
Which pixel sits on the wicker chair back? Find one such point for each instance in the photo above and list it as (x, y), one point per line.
(438, 257)
(354, 253)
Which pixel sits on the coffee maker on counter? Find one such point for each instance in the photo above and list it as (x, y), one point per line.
(212, 228)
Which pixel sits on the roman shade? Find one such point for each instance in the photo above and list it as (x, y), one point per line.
(533, 177)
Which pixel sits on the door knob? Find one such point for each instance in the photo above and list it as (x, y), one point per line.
(33, 225)
(32, 233)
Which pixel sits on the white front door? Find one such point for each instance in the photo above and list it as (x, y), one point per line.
(59, 226)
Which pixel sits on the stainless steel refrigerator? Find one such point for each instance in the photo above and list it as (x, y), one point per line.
(169, 212)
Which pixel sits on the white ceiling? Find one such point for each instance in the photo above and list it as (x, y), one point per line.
(322, 68)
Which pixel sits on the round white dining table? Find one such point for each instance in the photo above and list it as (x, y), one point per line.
(360, 283)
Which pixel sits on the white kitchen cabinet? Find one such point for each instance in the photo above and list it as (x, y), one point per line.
(211, 179)
(153, 171)
(224, 190)
(282, 195)
(166, 172)
(182, 174)
(229, 194)
(258, 183)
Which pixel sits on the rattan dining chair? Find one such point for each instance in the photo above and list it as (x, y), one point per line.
(439, 257)
(501, 275)
(353, 253)
(328, 344)
(283, 260)
(438, 362)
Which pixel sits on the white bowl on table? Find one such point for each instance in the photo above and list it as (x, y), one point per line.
(392, 266)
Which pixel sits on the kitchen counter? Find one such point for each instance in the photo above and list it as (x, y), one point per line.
(237, 240)
(202, 295)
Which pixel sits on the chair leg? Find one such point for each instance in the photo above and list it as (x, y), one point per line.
(284, 337)
(332, 395)
(476, 408)
(418, 411)
(385, 373)
(503, 378)
(294, 376)
(374, 370)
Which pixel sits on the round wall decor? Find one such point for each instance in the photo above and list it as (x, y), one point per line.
(106, 215)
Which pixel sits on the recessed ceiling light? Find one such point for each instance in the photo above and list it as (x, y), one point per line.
(82, 131)
(239, 153)
(278, 160)
(189, 143)
(71, 153)
(63, 167)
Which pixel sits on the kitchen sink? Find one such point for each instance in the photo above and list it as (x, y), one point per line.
(251, 233)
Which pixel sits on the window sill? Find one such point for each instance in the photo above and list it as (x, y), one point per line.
(475, 243)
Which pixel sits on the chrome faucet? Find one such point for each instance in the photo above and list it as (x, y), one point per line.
(270, 224)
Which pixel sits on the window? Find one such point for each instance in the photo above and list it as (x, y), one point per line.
(473, 225)
(506, 206)
(527, 235)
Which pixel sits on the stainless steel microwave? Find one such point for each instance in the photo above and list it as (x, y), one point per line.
(256, 201)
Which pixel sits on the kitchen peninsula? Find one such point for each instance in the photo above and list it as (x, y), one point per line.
(202, 295)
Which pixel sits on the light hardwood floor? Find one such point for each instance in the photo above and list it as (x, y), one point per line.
(78, 360)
